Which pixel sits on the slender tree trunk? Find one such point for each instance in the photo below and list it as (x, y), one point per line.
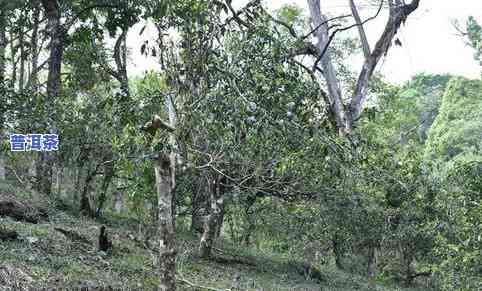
(119, 201)
(173, 155)
(78, 179)
(32, 173)
(407, 259)
(85, 207)
(3, 45)
(165, 167)
(13, 57)
(251, 224)
(58, 180)
(108, 175)
(167, 240)
(220, 221)
(21, 43)
(56, 33)
(200, 205)
(337, 250)
(372, 263)
(213, 219)
(329, 73)
(32, 83)
(33, 78)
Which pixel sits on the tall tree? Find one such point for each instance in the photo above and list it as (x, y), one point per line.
(56, 33)
(3, 47)
(347, 113)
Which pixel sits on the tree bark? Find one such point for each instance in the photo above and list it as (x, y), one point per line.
(13, 57)
(200, 205)
(338, 252)
(56, 33)
(347, 114)
(119, 201)
(85, 207)
(3, 46)
(372, 263)
(21, 44)
(211, 224)
(407, 258)
(361, 30)
(164, 167)
(328, 71)
(33, 78)
(167, 248)
(108, 175)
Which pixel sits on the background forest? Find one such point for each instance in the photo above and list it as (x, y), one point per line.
(259, 156)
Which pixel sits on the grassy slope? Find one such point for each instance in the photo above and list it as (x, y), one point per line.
(43, 257)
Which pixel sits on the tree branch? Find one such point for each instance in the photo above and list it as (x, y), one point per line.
(398, 16)
(361, 30)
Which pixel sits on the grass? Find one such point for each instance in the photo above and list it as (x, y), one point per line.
(46, 258)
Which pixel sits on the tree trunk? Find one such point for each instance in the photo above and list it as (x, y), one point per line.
(200, 205)
(58, 179)
(167, 247)
(118, 201)
(32, 173)
(407, 259)
(212, 222)
(56, 33)
(346, 114)
(78, 179)
(165, 170)
(21, 43)
(13, 57)
(108, 175)
(338, 252)
(85, 207)
(249, 217)
(44, 176)
(220, 221)
(372, 262)
(329, 74)
(33, 78)
(3, 45)
(2, 167)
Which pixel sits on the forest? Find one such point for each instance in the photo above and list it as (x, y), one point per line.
(229, 145)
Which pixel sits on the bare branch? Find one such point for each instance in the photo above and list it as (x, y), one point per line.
(323, 23)
(361, 30)
(330, 39)
(398, 15)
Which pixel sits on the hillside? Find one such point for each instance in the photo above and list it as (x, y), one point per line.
(43, 257)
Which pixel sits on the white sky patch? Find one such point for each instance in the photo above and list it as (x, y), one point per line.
(429, 40)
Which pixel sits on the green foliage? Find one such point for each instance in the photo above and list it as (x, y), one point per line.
(455, 135)
(474, 35)
(453, 154)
